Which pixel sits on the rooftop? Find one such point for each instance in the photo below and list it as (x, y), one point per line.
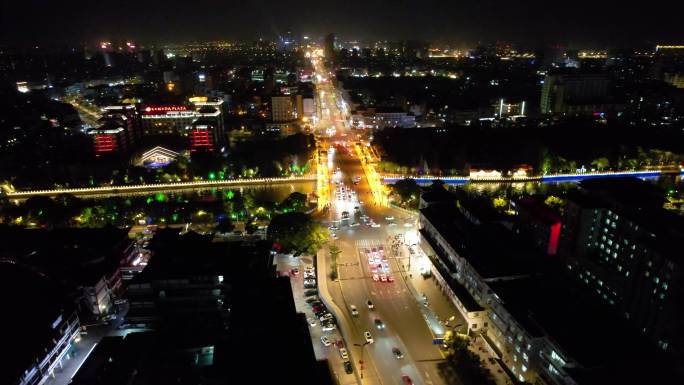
(75, 256)
(552, 305)
(36, 302)
(492, 249)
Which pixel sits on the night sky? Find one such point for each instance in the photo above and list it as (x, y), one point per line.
(581, 22)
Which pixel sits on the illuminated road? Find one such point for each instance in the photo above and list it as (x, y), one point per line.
(395, 303)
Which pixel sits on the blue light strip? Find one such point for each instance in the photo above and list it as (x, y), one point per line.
(543, 179)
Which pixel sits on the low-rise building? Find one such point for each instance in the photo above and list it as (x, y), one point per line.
(379, 118)
(542, 326)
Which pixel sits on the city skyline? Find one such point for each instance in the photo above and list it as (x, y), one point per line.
(465, 22)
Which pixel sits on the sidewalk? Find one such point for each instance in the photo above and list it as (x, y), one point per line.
(322, 275)
(443, 308)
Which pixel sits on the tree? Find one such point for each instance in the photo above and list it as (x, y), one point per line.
(408, 190)
(294, 202)
(601, 163)
(297, 232)
(334, 253)
(225, 225)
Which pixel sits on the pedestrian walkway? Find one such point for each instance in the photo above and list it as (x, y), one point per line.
(449, 316)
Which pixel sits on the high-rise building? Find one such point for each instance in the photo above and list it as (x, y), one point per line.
(674, 78)
(282, 108)
(329, 46)
(619, 241)
(573, 92)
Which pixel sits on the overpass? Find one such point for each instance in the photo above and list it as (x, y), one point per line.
(155, 187)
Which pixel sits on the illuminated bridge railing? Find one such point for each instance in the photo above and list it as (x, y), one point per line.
(541, 178)
(158, 186)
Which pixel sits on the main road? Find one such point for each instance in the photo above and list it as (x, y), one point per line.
(408, 325)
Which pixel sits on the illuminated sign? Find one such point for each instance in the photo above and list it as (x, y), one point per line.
(198, 99)
(165, 108)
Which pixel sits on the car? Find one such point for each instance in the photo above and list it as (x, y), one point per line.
(379, 324)
(311, 292)
(391, 224)
(309, 276)
(407, 380)
(397, 353)
(311, 300)
(344, 354)
(325, 341)
(354, 224)
(310, 281)
(389, 218)
(326, 317)
(328, 326)
(309, 285)
(383, 277)
(318, 308)
(354, 312)
(376, 278)
(312, 322)
(374, 250)
(333, 236)
(370, 304)
(110, 317)
(120, 301)
(375, 225)
(348, 368)
(333, 228)
(368, 337)
(390, 278)
(407, 224)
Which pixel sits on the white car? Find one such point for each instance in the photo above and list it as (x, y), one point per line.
(368, 337)
(375, 225)
(344, 354)
(389, 218)
(354, 311)
(312, 322)
(325, 341)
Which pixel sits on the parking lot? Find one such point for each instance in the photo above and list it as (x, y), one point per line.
(327, 342)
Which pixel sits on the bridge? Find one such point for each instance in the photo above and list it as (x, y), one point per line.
(549, 178)
(155, 187)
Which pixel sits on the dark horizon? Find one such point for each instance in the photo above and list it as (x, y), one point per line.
(584, 23)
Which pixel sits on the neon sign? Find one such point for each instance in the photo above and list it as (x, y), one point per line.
(165, 108)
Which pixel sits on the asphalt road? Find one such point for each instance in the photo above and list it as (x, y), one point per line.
(409, 325)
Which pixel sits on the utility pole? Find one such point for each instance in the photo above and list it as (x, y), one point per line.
(363, 345)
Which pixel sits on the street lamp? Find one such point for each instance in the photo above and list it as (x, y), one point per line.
(361, 360)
